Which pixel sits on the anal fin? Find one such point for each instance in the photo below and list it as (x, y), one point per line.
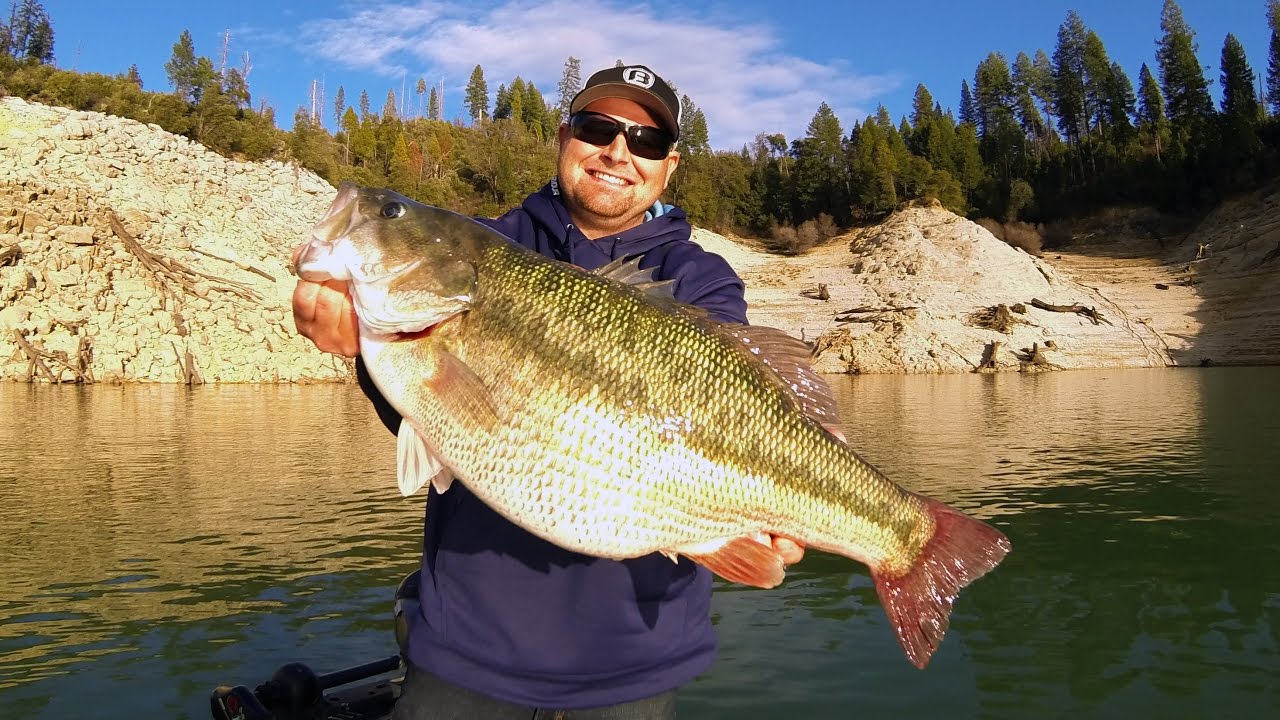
(743, 560)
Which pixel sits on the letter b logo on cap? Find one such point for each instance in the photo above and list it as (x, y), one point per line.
(638, 76)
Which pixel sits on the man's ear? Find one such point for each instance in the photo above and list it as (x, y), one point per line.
(562, 135)
(673, 162)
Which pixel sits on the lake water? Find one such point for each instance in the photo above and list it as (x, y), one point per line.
(159, 541)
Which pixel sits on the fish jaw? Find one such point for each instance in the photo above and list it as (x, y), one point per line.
(326, 255)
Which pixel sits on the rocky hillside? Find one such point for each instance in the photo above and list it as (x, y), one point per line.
(927, 291)
(129, 254)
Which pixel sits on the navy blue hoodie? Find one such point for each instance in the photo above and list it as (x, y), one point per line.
(512, 616)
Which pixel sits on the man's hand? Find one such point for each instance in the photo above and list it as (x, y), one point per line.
(790, 550)
(324, 314)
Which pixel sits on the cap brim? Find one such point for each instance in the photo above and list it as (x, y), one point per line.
(626, 91)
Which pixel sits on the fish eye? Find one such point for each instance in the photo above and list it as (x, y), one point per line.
(393, 210)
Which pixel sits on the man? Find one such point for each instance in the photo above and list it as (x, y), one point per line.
(509, 625)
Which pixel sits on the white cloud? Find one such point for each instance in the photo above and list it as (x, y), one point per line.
(738, 73)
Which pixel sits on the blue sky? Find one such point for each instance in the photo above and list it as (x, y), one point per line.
(751, 65)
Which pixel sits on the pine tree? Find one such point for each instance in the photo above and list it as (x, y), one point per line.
(181, 68)
(1150, 101)
(1151, 119)
(694, 136)
(1186, 92)
(1120, 99)
(1024, 98)
(1097, 83)
(39, 41)
(389, 107)
(515, 97)
(502, 103)
(1069, 99)
(819, 183)
(968, 111)
(535, 114)
(1239, 99)
(921, 106)
(1042, 87)
(571, 83)
(477, 95)
(1273, 57)
(134, 76)
(364, 105)
(421, 89)
(28, 33)
(339, 106)
(433, 105)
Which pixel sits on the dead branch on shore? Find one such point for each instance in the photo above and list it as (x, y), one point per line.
(168, 271)
(242, 265)
(37, 357)
(187, 366)
(989, 354)
(996, 317)
(1077, 308)
(821, 293)
(1033, 359)
(880, 314)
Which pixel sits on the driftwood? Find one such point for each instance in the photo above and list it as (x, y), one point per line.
(187, 366)
(997, 317)
(168, 271)
(37, 357)
(1033, 359)
(9, 255)
(875, 314)
(242, 265)
(821, 293)
(989, 356)
(1077, 308)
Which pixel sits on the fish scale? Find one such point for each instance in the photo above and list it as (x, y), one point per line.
(605, 418)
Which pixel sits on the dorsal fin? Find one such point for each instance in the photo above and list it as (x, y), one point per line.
(627, 271)
(788, 358)
(785, 355)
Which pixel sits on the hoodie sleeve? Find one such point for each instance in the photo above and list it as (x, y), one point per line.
(707, 281)
(387, 414)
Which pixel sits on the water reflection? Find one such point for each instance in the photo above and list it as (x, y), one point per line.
(143, 514)
(164, 540)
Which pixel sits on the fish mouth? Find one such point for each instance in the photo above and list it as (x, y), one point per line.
(315, 260)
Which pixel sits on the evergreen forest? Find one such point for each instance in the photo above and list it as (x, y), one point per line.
(1049, 134)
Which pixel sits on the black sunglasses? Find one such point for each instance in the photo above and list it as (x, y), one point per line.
(643, 141)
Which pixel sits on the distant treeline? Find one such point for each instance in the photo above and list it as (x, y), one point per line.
(1051, 135)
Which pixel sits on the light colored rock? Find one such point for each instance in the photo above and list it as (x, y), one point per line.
(918, 277)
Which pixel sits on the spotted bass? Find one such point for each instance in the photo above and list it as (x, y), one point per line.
(593, 410)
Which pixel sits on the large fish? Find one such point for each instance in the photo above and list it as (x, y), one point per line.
(596, 412)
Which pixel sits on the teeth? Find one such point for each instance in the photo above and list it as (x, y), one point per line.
(610, 179)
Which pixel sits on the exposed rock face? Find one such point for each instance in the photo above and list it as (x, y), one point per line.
(917, 284)
(224, 228)
(924, 277)
(204, 290)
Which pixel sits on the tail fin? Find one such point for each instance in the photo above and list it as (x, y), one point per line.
(919, 601)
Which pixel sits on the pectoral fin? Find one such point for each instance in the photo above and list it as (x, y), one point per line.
(460, 391)
(416, 465)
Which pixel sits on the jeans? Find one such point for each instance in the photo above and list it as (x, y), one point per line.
(424, 696)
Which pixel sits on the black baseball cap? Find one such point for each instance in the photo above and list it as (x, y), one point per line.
(637, 83)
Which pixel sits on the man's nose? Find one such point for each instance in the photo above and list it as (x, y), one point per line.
(617, 150)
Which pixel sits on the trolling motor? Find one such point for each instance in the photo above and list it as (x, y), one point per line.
(296, 692)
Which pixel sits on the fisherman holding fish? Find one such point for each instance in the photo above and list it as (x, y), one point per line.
(510, 624)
